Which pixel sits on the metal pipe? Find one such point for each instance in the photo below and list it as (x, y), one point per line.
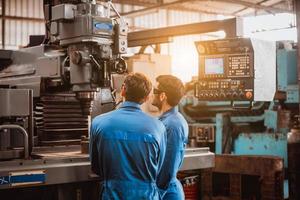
(25, 136)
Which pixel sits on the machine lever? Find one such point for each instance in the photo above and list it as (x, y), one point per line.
(95, 62)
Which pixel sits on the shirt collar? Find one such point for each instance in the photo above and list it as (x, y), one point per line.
(169, 112)
(131, 104)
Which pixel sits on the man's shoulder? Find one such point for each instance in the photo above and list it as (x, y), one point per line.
(175, 122)
(177, 118)
(103, 117)
(143, 117)
(182, 119)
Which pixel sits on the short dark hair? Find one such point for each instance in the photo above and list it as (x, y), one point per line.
(172, 86)
(137, 87)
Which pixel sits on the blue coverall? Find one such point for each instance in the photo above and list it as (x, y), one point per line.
(127, 149)
(177, 137)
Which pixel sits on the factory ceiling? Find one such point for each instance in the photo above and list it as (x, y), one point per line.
(223, 7)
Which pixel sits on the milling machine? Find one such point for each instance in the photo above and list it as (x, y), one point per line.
(46, 94)
(81, 52)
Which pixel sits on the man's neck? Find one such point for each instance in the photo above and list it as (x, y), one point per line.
(165, 107)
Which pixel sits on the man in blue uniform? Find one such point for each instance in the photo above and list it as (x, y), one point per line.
(127, 147)
(167, 95)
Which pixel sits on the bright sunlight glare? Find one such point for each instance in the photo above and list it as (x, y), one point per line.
(266, 27)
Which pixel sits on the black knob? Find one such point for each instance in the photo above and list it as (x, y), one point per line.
(121, 66)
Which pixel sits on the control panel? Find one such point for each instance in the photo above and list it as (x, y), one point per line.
(226, 70)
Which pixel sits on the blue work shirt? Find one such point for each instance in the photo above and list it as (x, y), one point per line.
(127, 148)
(177, 137)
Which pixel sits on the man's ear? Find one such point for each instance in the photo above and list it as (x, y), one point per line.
(162, 96)
(123, 91)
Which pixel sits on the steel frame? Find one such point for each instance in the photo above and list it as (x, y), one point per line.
(163, 35)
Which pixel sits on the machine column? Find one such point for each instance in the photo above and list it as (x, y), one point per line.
(223, 133)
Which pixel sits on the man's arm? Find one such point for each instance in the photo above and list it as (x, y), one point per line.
(94, 156)
(172, 159)
(162, 149)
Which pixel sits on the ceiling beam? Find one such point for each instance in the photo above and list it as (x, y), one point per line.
(270, 9)
(176, 3)
(154, 36)
(134, 3)
(194, 8)
(289, 2)
(160, 2)
(236, 13)
(155, 7)
(201, 11)
(32, 19)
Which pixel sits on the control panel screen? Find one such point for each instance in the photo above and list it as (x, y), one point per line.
(214, 66)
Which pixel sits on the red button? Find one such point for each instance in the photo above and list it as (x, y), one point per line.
(248, 95)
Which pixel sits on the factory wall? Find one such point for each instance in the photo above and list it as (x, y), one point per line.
(22, 18)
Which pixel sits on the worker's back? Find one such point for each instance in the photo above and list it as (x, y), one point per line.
(127, 150)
